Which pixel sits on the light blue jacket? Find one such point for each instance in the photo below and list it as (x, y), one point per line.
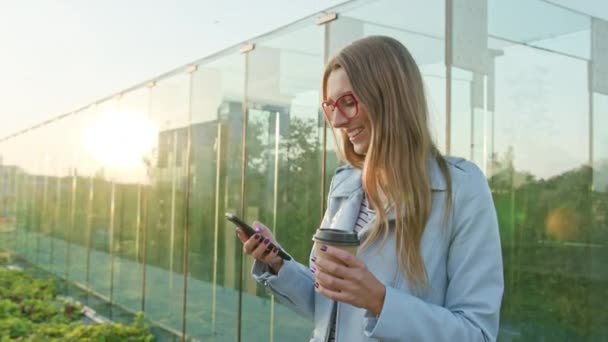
(463, 263)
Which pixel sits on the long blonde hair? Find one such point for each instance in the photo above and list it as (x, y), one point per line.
(387, 82)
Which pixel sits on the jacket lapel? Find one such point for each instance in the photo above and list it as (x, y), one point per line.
(345, 199)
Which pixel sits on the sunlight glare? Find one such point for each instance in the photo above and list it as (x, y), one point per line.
(120, 140)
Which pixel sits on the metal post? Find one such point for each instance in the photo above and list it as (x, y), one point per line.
(449, 12)
(242, 206)
(216, 223)
(111, 243)
(187, 199)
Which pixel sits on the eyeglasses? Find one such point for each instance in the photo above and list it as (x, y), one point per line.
(347, 105)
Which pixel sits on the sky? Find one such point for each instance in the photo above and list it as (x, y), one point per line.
(57, 56)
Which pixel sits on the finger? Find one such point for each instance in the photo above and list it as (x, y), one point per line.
(252, 243)
(343, 297)
(331, 282)
(272, 257)
(329, 266)
(347, 258)
(260, 250)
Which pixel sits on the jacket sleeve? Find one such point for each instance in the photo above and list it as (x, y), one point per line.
(475, 280)
(293, 285)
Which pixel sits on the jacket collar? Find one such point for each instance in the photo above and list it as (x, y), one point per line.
(348, 179)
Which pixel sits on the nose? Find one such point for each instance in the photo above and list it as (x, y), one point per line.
(339, 119)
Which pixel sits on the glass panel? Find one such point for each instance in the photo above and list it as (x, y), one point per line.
(85, 138)
(217, 116)
(42, 190)
(9, 198)
(548, 136)
(541, 183)
(60, 161)
(283, 144)
(30, 188)
(541, 24)
(525, 122)
(166, 193)
(420, 18)
(136, 135)
(420, 27)
(600, 142)
(599, 212)
(472, 116)
(11, 159)
(102, 147)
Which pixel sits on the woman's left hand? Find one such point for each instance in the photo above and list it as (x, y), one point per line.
(353, 284)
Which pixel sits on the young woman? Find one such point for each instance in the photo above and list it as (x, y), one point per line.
(430, 266)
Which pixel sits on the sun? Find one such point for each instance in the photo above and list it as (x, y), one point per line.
(120, 140)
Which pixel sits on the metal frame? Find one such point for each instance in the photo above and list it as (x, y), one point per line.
(186, 240)
(243, 186)
(449, 12)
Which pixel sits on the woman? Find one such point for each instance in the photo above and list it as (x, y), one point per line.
(430, 267)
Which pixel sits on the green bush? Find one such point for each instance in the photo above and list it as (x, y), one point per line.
(15, 327)
(135, 332)
(30, 311)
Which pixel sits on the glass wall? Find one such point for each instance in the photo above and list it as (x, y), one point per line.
(525, 117)
(125, 199)
(132, 181)
(216, 114)
(284, 136)
(78, 130)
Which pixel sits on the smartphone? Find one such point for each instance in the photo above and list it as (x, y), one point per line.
(250, 232)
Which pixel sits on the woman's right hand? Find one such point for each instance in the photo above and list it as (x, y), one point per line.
(257, 246)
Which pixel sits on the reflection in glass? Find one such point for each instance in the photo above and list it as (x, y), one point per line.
(136, 136)
(542, 24)
(599, 212)
(215, 178)
(526, 123)
(283, 173)
(167, 170)
(600, 142)
(81, 217)
(102, 219)
(421, 31)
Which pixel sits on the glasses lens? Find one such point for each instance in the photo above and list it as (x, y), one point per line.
(348, 106)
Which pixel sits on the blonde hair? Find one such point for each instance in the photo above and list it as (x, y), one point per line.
(388, 84)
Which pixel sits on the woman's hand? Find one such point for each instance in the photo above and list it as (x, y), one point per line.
(352, 284)
(261, 246)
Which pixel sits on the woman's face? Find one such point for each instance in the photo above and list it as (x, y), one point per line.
(357, 128)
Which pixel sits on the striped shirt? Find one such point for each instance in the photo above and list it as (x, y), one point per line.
(366, 214)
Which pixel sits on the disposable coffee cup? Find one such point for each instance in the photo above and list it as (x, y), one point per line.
(346, 241)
